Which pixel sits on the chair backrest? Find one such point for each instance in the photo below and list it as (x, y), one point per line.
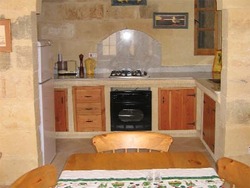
(234, 172)
(41, 177)
(132, 141)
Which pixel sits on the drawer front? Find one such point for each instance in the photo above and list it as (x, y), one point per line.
(89, 123)
(88, 108)
(84, 95)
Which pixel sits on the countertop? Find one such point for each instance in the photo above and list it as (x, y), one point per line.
(160, 75)
(201, 79)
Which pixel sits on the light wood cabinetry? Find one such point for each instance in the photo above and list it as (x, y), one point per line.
(177, 108)
(61, 113)
(89, 108)
(209, 122)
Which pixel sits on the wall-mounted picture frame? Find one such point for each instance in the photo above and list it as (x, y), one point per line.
(176, 20)
(5, 35)
(128, 2)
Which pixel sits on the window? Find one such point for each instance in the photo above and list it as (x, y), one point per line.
(206, 34)
(109, 45)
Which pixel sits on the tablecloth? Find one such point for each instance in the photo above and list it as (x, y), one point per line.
(163, 178)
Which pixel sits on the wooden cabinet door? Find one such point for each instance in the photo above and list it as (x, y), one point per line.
(209, 122)
(61, 115)
(177, 109)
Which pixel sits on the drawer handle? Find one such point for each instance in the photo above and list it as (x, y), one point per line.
(89, 121)
(87, 96)
(88, 108)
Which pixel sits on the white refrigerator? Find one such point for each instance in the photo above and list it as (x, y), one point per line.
(46, 101)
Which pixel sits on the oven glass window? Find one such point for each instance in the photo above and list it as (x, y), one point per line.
(131, 115)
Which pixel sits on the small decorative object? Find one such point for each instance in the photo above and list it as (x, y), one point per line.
(128, 2)
(5, 36)
(170, 20)
(90, 65)
(81, 70)
(217, 65)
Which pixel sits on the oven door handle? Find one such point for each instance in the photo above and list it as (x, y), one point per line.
(126, 115)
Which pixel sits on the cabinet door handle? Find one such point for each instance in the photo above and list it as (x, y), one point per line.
(191, 95)
(88, 108)
(62, 100)
(193, 123)
(163, 100)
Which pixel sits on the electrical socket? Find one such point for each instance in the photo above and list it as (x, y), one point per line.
(248, 149)
(93, 55)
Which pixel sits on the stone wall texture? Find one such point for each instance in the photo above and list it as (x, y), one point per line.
(78, 26)
(19, 119)
(72, 29)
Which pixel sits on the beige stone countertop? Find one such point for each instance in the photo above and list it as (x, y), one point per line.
(160, 75)
(176, 79)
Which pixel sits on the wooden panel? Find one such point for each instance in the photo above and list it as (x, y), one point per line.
(90, 120)
(164, 109)
(61, 113)
(189, 109)
(86, 94)
(88, 108)
(128, 161)
(177, 109)
(89, 123)
(209, 121)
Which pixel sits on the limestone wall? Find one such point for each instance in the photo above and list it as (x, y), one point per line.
(18, 93)
(78, 26)
(235, 95)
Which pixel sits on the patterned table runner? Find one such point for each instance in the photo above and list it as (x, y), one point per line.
(163, 178)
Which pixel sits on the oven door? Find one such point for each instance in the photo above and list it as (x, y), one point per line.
(130, 115)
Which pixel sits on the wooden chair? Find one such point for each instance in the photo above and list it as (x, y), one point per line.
(132, 141)
(235, 173)
(41, 177)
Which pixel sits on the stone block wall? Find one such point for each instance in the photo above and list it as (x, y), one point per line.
(234, 137)
(19, 115)
(77, 27)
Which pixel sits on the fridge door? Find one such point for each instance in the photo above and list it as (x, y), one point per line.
(47, 126)
(45, 61)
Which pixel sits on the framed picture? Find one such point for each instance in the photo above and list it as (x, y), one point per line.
(170, 20)
(5, 36)
(128, 2)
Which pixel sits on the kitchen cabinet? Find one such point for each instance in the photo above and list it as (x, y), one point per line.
(61, 113)
(177, 108)
(209, 122)
(89, 108)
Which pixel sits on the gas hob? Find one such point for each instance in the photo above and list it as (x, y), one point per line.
(126, 73)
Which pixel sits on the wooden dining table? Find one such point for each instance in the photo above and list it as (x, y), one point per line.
(144, 169)
(135, 161)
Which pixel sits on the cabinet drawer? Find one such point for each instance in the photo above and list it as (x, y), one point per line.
(89, 123)
(85, 95)
(88, 108)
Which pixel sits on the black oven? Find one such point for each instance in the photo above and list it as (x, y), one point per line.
(130, 109)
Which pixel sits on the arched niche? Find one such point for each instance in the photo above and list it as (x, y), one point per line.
(129, 48)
